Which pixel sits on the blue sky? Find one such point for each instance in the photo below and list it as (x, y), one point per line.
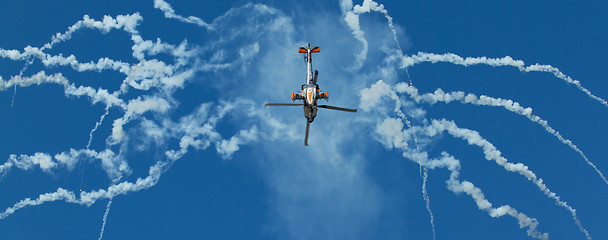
(157, 107)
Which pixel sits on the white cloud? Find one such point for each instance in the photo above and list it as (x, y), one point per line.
(391, 131)
(370, 97)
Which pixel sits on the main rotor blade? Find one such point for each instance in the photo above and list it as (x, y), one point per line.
(283, 104)
(314, 80)
(337, 108)
(306, 136)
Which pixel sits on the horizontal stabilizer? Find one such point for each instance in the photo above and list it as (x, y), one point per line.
(312, 49)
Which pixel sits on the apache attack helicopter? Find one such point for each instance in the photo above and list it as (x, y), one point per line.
(310, 93)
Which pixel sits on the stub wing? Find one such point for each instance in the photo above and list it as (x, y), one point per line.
(283, 104)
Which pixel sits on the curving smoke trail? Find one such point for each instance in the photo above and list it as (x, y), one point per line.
(60, 194)
(493, 154)
(424, 173)
(395, 126)
(97, 124)
(199, 135)
(145, 103)
(441, 96)
(170, 13)
(422, 57)
(351, 17)
(157, 80)
(89, 198)
(392, 134)
(400, 140)
(105, 219)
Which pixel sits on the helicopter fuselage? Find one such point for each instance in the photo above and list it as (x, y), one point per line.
(309, 92)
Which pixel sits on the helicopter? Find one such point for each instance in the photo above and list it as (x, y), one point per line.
(310, 93)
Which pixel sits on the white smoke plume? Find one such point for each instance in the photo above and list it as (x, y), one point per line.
(170, 13)
(126, 22)
(352, 21)
(457, 186)
(370, 5)
(70, 89)
(25, 162)
(493, 154)
(60, 194)
(351, 17)
(398, 139)
(105, 219)
(153, 82)
(197, 130)
(441, 96)
(424, 172)
(115, 166)
(392, 135)
(155, 77)
(421, 57)
(97, 124)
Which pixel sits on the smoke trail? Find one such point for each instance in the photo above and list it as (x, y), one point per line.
(392, 135)
(391, 132)
(100, 95)
(370, 5)
(197, 131)
(105, 218)
(425, 174)
(440, 96)
(126, 22)
(20, 74)
(97, 124)
(60, 194)
(372, 96)
(457, 186)
(422, 57)
(5, 167)
(26, 162)
(192, 131)
(493, 154)
(13, 98)
(88, 198)
(351, 17)
(352, 20)
(170, 13)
